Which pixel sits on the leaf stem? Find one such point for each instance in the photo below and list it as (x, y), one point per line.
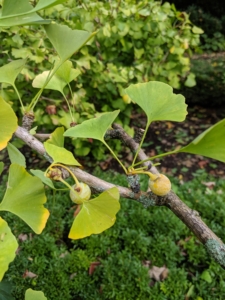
(37, 96)
(67, 184)
(68, 104)
(70, 172)
(151, 175)
(156, 156)
(115, 156)
(21, 102)
(140, 145)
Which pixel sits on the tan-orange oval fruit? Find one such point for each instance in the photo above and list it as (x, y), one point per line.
(160, 186)
(81, 194)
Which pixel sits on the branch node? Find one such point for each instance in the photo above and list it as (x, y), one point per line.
(138, 134)
(134, 184)
(28, 120)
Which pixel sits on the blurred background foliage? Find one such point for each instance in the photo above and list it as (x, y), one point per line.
(208, 64)
(136, 41)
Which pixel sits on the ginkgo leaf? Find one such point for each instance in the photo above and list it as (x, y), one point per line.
(56, 137)
(64, 75)
(55, 83)
(14, 14)
(10, 71)
(158, 101)
(6, 288)
(210, 143)
(34, 295)
(65, 40)
(24, 13)
(43, 4)
(8, 123)
(96, 215)
(94, 128)
(25, 197)
(44, 179)
(8, 247)
(11, 7)
(15, 155)
(60, 155)
(66, 72)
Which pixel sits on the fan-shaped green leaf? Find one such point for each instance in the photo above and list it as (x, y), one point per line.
(158, 101)
(60, 155)
(24, 13)
(8, 246)
(15, 155)
(55, 82)
(14, 14)
(94, 128)
(34, 295)
(10, 71)
(45, 180)
(66, 72)
(210, 143)
(96, 215)
(25, 19)
(6, 290)
(56, 137)
(65, 40)
(25, 197)
(43, 4)
(11, 7)
(64, 75)
(8, 123)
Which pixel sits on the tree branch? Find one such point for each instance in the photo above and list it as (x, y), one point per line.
(189, 217)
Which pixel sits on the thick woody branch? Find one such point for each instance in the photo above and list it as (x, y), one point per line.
(189, 217)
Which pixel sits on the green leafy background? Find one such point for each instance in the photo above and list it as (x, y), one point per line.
(134, 43)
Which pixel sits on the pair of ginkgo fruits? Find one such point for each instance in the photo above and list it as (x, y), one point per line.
(159, 184)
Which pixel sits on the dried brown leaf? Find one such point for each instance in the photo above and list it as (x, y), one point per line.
(159, 274)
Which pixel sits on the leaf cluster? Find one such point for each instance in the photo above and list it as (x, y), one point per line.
(210, 78)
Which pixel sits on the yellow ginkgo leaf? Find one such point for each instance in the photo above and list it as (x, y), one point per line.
(96, 215)
(8, 123)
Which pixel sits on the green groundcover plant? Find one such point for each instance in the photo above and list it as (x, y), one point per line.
(96, 201)
(122, 256)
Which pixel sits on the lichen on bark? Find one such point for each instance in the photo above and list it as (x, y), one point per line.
(216, 250)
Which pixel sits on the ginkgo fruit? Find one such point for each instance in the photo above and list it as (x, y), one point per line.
(126, 99)
(159, 184)
(80, 194)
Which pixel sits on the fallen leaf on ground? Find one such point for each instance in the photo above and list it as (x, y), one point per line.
(159, 274)
(22, 237)
(29, 274)
(209, 184)
(93, 266)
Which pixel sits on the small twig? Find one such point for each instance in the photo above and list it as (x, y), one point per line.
(42, 136)
(119, 133)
